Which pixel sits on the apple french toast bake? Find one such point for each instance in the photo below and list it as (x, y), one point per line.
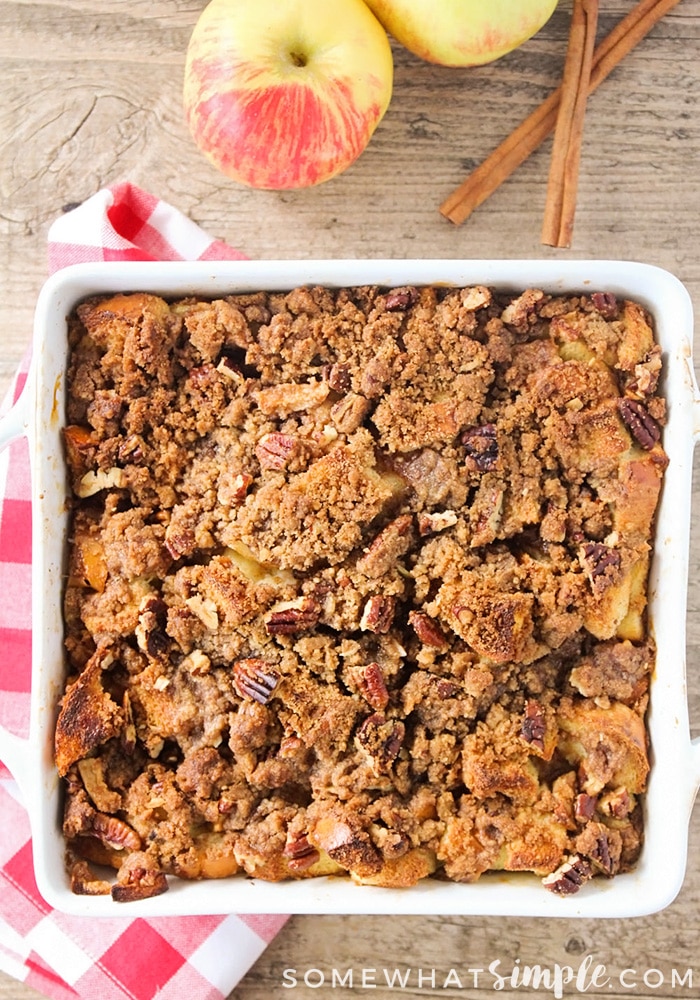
(357, 585)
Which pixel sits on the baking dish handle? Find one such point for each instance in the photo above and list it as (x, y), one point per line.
(14, 750)
(695, 744)
(14, 423)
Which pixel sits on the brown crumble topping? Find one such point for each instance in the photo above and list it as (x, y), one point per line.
(357, 584)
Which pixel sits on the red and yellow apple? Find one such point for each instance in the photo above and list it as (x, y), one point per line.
(286, 93)
(462, 32)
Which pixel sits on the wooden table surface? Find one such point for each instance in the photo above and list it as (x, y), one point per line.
(91, 95)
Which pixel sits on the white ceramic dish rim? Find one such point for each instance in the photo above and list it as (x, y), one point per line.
(676, 758)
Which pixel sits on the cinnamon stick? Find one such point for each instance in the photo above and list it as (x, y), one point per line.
(560, 205)
(526, 138)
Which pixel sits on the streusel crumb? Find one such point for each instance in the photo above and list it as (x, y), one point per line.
(357, 584)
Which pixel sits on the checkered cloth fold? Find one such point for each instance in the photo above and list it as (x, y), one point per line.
(201, 958)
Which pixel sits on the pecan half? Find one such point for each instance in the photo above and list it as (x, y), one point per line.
(481, 445)
(601, 563)
(115, 832)
(255, 679)
(533, 727)
(300, 852)
(569, 877)
(370, 681)
(276, 451)
(606, 303)
(381, 739)
(297, 617)
(427, 629)
(401, 298)
(378, 613)
(639, 422)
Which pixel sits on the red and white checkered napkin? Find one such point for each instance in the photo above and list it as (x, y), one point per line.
(201, 958)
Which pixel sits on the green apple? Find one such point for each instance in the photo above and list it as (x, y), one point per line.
(462, 32)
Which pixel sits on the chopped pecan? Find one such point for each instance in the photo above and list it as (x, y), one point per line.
(150, 631)
(205, 609)
(392, 843)
(196, 663)
(235, 490)
(606, 303)
(376, 376)
(115, 832)
(96, 480)
(427, 629)
(297, 616)
(381, 739)
(349, 412)
(255, 679)
(401, 298)
(601, 563)
(276, 451)
(584, 807)
(533, 727)
(370, 681)
(388, 547)
(300, 852)
(601, 845)
(138, 879)
(338, 376)
(378, 613)
(616, 804)
(228, 367)
(600, 855)
(446, 689)
(481, 445)
(522, 309)
(431, 524)
(569, 877)
(646, 374)
(132, 449)
(639, 422)
(290, 746)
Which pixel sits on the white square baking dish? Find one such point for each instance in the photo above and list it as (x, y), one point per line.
(675, 758)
